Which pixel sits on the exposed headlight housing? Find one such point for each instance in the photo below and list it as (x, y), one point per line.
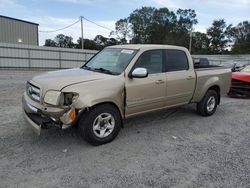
(70, 98)
(52, 97)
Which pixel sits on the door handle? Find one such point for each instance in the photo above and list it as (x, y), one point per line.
(159, 82)
(190, 78)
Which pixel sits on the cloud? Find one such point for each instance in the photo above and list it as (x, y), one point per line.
(52, 23)
(216, 4)
(231, 3)
(6, 3)
(168, 3)
(234, 11)
(201, 28)
(10, 5)
(86, 2)
(175, 4)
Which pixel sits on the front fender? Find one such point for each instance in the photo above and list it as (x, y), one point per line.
(110, 90)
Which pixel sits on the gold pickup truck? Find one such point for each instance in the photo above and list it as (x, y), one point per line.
(119, 82)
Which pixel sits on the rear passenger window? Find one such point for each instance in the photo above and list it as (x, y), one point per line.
(176, 60)
(151, 60)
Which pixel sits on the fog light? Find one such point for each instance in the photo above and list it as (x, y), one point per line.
(69, 116)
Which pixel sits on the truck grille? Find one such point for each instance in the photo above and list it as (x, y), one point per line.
(33, 92)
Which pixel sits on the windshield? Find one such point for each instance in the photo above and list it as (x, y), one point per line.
(246, 69)
(110, 60)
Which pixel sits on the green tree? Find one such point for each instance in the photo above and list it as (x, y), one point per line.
(200, 43)
(104, 41)
(50, 42)
(141, 21)
(186, 19)
(64, 41)
(60, 41)
(122, 30)
(162, 27)
(241, 36)
(112, 41)
(101, 40)
(219, 35)
(88, 44)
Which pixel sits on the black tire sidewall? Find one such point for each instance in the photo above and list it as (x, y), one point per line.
(202, 105)
(208, 95)
(86, 124)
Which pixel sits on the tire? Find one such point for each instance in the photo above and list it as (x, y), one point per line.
(100, 125)
(207, 106)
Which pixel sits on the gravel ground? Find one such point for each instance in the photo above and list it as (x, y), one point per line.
(171, 148)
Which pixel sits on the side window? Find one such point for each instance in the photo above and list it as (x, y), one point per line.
(151, 60)
(176, 60)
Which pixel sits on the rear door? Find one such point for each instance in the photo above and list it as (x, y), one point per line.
(181, 77)
(145, 94)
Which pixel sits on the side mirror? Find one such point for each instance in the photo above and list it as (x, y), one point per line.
(139, 73)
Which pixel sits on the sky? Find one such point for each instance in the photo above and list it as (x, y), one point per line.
(55, 14)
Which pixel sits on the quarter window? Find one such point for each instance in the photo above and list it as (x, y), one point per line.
(151, 60)
(176, 60)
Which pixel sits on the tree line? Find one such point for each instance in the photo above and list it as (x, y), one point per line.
(149, 25)
(64, 41)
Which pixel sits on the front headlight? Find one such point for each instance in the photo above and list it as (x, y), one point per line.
(60, 98)
(52, 97)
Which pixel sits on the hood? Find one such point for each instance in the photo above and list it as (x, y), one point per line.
(57, 80)
(242, 76)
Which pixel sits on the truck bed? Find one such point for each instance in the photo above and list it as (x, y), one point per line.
(211, 75)
(206, 66)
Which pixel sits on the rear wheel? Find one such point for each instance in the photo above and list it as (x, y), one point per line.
(207, 106)
(100, 125)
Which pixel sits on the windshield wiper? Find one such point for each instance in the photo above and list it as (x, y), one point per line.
(86, 67)
(104, 71)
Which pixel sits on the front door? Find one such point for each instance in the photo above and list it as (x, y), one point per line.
(146, 94)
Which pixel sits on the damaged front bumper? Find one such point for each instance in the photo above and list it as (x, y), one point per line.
(35, 126)
(239, 89)
(40, 117)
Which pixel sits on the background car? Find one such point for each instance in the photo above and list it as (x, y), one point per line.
(240, 87)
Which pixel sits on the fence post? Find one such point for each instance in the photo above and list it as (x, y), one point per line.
(85, 58)
(60, 60)
(29, 58)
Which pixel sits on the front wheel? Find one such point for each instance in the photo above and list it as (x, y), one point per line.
(207, 106)
(100, 125)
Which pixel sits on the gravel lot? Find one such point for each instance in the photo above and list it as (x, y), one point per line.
(171, 148)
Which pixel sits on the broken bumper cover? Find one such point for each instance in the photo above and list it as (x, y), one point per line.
(36, 127)
(39, 117)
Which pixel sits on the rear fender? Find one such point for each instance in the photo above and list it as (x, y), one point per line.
(202, 88)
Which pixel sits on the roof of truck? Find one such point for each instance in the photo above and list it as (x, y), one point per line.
(147, 46)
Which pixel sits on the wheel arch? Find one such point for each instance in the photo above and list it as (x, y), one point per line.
(217, 89)
(108, 103)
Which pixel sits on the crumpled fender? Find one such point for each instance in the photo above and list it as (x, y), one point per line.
(110, 90)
